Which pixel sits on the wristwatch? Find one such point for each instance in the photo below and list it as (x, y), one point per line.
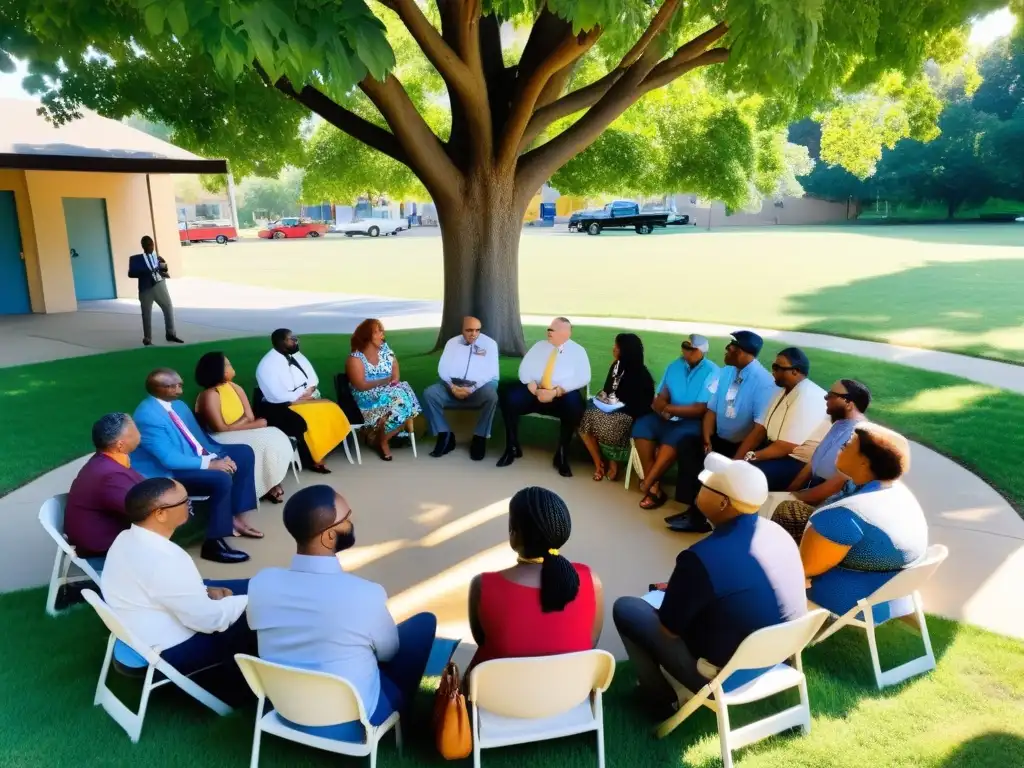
(750, 456)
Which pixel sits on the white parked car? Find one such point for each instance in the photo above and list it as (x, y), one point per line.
(371, 227)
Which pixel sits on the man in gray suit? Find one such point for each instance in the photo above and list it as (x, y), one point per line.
(151, 272)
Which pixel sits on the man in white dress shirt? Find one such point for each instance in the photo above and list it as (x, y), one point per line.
(551, 377)
(468, 373)
(154, 587)
(284, 377)
(794, 422)
(316, 616)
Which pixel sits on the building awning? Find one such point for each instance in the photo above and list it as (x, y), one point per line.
(29, 142)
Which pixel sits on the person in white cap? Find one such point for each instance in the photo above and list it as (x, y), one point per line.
(745, 576)
(679, 406)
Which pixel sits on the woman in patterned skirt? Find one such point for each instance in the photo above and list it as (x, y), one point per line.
(627, 395)
(388, 404)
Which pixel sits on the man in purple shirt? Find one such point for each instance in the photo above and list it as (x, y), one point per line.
(95, 510)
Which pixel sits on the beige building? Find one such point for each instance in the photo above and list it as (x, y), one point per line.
(74, 202)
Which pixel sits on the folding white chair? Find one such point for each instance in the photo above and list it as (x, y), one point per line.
(296, 462)
(633, 465)
(409, 432)
(906, 583)
(519, 701)
(770, 648)
(133, 655)
(51, 517)
(311, 699)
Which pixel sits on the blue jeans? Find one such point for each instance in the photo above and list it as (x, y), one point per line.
(204, 650)
(780, 472)
(399, 680)
(664, 431)
(437, 397)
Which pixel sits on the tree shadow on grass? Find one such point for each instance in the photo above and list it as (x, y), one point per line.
(990, 750)
(939, 304)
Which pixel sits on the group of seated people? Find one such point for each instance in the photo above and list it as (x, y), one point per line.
(735, 433)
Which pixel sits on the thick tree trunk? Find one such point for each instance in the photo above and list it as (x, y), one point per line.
(480, 235)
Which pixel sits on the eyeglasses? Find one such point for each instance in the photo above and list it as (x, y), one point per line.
(336, 523)
(830, 394)
(776, 368)
(186, 502)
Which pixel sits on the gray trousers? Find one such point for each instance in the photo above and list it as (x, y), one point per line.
(437, 397)
(650, 648)
(159, 294)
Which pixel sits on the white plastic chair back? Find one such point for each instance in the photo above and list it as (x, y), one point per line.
(911, 578)
(540, 687)
(774, 645)
(303, 696)
(118, 629)
(51, 517)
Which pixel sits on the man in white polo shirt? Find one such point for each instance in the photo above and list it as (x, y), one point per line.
(787, 432)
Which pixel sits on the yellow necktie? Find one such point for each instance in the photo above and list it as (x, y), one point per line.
(549, 370)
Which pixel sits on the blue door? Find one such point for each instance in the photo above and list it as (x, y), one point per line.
(13, 281)
(89, 241)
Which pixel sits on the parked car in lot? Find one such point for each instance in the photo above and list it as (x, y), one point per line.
(620, 214)
(679, 220)
(206, 231)
(372, 227)
(292, 227)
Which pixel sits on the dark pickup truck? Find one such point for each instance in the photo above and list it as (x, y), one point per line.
(621, 214)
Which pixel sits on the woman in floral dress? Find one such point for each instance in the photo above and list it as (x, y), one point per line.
(388, 404)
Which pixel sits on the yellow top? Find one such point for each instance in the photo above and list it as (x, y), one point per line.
(549, 370)
(120, 458)
(231, 409)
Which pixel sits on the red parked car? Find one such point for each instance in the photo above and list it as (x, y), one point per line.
(206, 231)
(283, 228)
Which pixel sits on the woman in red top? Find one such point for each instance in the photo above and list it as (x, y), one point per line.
(544, 605)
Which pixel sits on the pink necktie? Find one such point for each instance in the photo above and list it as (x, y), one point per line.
(186, 434)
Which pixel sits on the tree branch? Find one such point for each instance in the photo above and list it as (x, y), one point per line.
(661, 77)
(427, 157)
(655, 28)
(343, 119)
(692, 49)
(565, 54)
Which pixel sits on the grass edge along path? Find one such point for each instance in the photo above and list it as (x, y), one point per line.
(47, 408)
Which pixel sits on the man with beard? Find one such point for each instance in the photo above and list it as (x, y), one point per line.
(818, 481)
(316, 616)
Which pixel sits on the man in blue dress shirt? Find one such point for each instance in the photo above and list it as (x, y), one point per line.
(316, 616)
(739, 395)
(679, 406)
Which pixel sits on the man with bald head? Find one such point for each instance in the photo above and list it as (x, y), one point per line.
(468, 380)
(551, 377)
(316, 616)
(173, 445)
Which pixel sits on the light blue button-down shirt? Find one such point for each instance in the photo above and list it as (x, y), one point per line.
(316, 616)
(823, 462)
(686, 385)
(736, 408)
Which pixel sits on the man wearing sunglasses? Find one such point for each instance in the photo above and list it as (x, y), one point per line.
(316, 616)
(790, 428)
(154, 587)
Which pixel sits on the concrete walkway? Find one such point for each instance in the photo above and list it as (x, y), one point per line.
(457, 527)
(444, 521)
(202, 316)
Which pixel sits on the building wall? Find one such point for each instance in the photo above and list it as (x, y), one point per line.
(793, 211)
(39, 198)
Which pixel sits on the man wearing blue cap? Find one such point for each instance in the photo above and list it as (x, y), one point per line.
(678, 407)
(739, 395)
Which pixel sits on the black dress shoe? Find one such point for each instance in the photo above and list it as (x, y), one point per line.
(175, 340)
(478, 448)
(561, 462)
(694, 522)
(218, 551)
(511, 453)
(445, 444)
(677, 517)
(147, 342)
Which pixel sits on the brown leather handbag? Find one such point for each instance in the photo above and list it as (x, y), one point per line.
(451, 718)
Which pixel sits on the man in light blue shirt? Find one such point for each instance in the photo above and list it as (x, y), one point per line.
(316, 616)
(679, 406)
(739, 394)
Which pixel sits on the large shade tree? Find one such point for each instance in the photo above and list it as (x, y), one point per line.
(211, 69)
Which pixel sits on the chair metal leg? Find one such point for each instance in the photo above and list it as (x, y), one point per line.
(723, 734)
(348, 453)
(55, 583)
(254, 760)
(359, 453)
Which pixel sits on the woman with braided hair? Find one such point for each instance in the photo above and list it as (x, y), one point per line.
(545, 604)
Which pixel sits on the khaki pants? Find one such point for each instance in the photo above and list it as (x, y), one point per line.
(162, 297)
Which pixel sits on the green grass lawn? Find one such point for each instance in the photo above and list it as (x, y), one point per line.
(953, 287)
(56, 402)
(969, 713)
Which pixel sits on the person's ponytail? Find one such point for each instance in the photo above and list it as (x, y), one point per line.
(559, 582)
(542, 519)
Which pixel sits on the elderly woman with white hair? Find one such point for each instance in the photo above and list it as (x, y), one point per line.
(852, 546)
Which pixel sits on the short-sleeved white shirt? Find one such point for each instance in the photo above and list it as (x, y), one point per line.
(798, 417)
